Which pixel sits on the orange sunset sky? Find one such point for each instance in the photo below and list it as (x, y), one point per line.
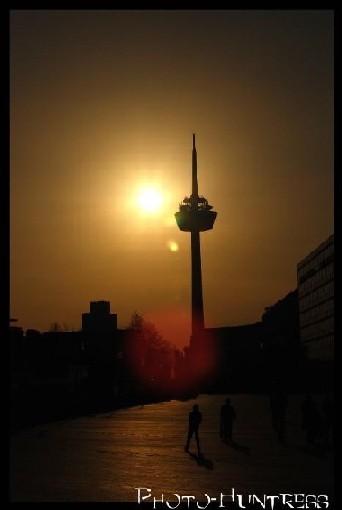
(103, 105)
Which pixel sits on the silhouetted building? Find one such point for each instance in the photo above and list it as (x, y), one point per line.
(17, 346)
(105, 351)
(281, 347)
(16, 332)
(232, 357)
(62, 348)
(99, 320)
(280, 322)
(315, 274)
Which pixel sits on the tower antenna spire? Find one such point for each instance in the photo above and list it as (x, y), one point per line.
(194, 171)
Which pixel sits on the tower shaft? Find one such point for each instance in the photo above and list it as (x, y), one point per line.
(197, 313)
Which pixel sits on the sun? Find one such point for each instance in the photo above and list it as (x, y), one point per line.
(150, 199)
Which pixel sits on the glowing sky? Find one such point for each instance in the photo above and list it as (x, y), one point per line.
(104, 103)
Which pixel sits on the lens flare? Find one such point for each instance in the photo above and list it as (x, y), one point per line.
(173, 246)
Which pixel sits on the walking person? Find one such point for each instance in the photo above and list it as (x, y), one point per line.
(227, 417)
(195, 418)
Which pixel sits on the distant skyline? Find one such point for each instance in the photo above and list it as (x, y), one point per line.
(103, 105)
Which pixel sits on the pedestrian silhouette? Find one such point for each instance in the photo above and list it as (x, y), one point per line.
(227, 417)
(312, 420)
(328, 418)
(195, 418)
(278, 405)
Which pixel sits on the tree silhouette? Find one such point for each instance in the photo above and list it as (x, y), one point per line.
(136, 321)
(148, 354)
(55, 327)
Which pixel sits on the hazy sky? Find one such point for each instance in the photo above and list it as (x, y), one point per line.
(104, 104)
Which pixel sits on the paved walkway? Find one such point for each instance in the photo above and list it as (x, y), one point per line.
(104, 458)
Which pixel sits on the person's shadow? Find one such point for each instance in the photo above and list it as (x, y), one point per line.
(202, 461)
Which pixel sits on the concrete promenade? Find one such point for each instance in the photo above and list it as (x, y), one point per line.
(103, 458)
